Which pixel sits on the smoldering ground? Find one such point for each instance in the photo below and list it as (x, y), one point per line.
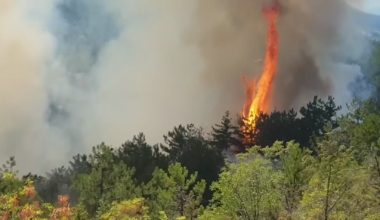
(79, 72)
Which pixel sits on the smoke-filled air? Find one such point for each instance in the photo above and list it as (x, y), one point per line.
(140, 92)
(76, 73)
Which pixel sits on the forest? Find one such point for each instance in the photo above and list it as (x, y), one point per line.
(311, 164)
(316, 162)
(321, 161)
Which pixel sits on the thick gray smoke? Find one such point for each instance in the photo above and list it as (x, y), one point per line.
(75, 73)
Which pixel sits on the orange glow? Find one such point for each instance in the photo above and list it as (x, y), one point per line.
(258, 93)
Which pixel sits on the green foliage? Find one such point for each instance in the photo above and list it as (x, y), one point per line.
(276, 126)
(217, 214)
(339, 188)
(9, 183)
(60, 180)
(317, 114)
(295, 164)
(367, 133)
(143, 157)
(176, 192)
(249, 189)
(79, 213)
(371, 69)
(188, 146)
(129, 210)
(287, 126)
(79, 165)
(225, 134)
(109, 180)
(330, 171)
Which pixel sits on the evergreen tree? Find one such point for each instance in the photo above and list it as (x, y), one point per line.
(316, 115)
(276, 126)
(287, 125)
(109, 180)
(224, 134)
(142, 157)
(186, 145)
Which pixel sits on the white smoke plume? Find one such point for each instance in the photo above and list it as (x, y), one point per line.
(26, 47)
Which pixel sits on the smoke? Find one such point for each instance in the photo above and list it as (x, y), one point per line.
(25, 48)
(82, 29)
(75, 73)
(149, 75)
(48, 50)
(231, 36)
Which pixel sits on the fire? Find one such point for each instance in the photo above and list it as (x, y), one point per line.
(258, 93)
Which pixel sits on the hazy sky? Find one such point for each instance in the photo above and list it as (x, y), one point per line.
(372, 6)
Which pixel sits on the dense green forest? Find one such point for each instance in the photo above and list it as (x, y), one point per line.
(311, 163)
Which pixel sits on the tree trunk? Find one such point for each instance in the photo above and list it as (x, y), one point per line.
(327, 200)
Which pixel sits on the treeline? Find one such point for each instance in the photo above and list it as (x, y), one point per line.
(306, 165)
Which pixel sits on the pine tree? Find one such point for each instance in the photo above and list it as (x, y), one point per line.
(224, 134)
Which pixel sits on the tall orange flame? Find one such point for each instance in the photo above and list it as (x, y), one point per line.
(258, 94)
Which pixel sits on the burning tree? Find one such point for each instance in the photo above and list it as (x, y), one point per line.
(259, 93)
